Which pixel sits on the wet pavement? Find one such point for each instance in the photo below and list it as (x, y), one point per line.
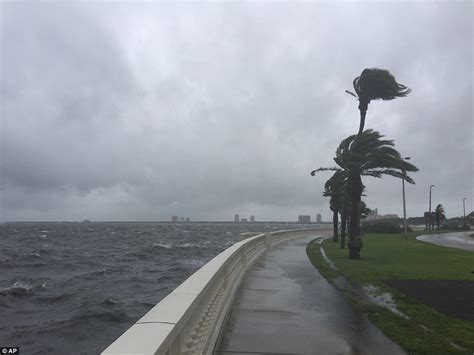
(284, 306)
(460, 240)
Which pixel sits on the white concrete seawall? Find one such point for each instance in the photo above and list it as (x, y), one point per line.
(189, 319)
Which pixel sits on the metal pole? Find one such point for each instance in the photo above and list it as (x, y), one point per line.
(404, 204)
(404, 209)
(464, 208)
(429, 218)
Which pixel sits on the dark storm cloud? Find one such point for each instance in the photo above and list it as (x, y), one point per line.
(141, 111)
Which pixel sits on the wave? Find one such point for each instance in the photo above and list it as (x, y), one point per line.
(111, 301)
(194, 262)
(19, 288)
(162, 245)
(27, 257)
(180, 246)
(189, 245)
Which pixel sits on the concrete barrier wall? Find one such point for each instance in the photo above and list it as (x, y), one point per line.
(188, 320)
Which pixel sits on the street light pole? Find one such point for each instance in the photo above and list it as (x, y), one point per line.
(464, 208)
(429, 218)
(404, 205)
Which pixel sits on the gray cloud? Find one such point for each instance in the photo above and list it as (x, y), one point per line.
(141, 111)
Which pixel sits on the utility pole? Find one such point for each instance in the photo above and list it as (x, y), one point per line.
(429, 218)
(404, 205)
(464, 209)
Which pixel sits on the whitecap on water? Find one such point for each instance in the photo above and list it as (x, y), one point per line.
(18, 288)
(162, 245)
(187, 245)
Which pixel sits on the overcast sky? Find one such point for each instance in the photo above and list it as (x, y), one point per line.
(141, 111)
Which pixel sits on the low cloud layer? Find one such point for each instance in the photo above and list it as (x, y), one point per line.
(143, 111)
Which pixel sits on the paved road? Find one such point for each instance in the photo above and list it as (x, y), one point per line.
(284, 306)
(460, 240)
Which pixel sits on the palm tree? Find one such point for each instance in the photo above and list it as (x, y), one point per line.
(375, 84)
(345, 210)
(335, 189)
(439, 214)
(335, 222)
(366, 154)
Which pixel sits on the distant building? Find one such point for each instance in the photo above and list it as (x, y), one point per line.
(236, 218)
(252, 219)
(389, 216)
(188, 220)
(243, 220)
(174, 219)
(374, 215)
(319, 218)
(304, 219)
(181, 219)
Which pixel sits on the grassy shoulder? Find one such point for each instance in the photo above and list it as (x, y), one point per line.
(390, 256)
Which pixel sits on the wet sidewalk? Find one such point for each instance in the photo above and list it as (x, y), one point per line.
(284, 306)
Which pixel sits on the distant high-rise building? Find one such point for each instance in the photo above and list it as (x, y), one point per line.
(304, 219)
(181, 219)
(236, 218)
(252, 219)
(373, 215)
(174, 219)
(318, 218)
(188, 219)
(243, 220)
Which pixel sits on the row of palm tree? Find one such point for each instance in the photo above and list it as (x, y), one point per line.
(366, 153)
(438, 214)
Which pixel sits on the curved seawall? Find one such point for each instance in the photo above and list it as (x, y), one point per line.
(189, 319)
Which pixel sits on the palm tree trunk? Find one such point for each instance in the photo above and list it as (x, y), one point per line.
(343, 227)
(355, 192)
(335, 222)
(348, 221)
(363, 106)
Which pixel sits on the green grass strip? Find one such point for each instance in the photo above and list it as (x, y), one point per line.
(391, 256)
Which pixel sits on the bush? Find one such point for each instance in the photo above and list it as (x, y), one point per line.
(382, 227)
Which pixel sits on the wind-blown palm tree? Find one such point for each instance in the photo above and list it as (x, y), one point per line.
(366, 154)
(439, 214)
(375, 84)
(335, 213)
(335, 188)
(345, 210)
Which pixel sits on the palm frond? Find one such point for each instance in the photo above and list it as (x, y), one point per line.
(351, 93)
(375, 84)
(324, 169)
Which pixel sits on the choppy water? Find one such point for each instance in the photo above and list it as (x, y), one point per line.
(73, 288)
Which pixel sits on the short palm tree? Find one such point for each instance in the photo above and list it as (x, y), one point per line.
(366, 154)
(335, 188)
(439, 214)
(375, 84)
